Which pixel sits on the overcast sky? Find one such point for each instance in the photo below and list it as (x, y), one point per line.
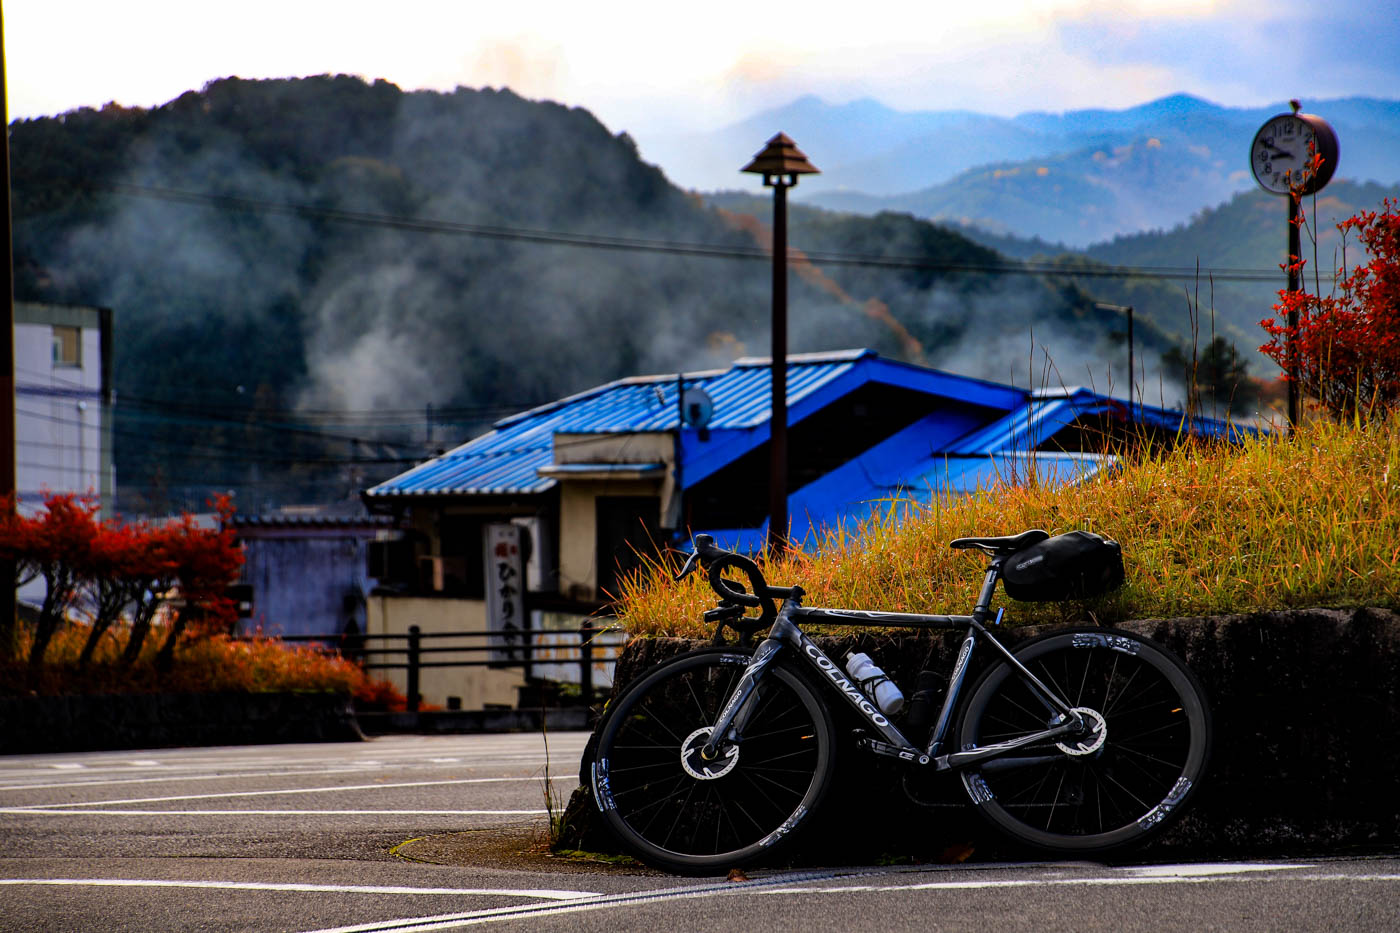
(660, 66)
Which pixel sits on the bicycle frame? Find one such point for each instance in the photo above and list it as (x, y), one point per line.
(785, 634)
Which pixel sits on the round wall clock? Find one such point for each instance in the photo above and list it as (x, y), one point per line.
(1281, 154)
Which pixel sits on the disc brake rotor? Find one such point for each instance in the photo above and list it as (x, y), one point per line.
(1089, 742)
(694, 762)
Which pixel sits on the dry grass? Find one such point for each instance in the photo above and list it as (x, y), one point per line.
(214, 664)
(1312, 520)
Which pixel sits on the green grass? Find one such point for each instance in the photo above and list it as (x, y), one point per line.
(1206, 528)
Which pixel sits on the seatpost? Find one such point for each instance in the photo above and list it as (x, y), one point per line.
(989, 587)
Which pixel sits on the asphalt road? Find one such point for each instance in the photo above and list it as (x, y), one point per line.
(324, 837)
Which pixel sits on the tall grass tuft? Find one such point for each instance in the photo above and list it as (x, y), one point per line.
(1206, 528)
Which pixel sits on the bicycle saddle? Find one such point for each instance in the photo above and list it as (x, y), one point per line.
(1000, 547)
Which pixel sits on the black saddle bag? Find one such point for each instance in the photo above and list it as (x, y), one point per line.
(1074, 565)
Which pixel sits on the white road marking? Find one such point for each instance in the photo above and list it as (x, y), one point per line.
(598, 902)
(1109, 881)
(40, 807)
(67, 766)
(545, 894)
(1219, 868)
(772, 886)
(59, 812)
(179, 777)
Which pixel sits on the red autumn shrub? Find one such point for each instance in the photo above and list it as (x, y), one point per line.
(1348, 342)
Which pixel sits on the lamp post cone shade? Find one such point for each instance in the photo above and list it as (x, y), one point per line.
(781, 157)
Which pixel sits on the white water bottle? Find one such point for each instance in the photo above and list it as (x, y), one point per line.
(872, 679)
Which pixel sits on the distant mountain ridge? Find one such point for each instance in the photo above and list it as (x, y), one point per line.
(1106, 172)
(287, 256)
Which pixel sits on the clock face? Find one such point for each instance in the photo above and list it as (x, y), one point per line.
(1282, 152)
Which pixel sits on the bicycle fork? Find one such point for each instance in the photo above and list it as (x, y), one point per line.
(729, 727)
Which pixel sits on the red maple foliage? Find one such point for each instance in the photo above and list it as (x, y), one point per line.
(110, 568)
(1348, 343)
(59, 543)
(206, 563)
(128, 571)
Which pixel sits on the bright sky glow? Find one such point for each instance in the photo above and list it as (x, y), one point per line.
(657, 67)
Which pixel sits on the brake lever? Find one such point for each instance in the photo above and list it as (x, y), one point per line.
(691, 563)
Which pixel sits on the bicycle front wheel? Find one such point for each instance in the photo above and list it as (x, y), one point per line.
(1121, 781)
(678, 813)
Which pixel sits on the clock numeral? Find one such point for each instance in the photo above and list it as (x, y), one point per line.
(1268, 168)
(1288, 128)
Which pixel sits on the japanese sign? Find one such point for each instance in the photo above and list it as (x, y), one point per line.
(505, 592)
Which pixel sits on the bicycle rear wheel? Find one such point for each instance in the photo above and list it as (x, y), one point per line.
(1117, 784)
(678, 813)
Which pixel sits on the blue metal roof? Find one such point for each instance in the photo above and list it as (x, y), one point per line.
(954, 450)
(507, 460)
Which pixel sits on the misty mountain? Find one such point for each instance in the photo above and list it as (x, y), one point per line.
(1247, 233)
(316, 282)
(1075, 177)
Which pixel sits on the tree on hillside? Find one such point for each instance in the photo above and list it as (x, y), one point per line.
(1218, 379)
(1348, 342)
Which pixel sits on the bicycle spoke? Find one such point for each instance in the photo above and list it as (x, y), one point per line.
(654, 719)
(677, 821)
(1083, 678)
(1174, 765)
(680, 812)
(1055, 801)
(1107, 706)
(1155, 736)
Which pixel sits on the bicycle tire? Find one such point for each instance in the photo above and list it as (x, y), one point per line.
(1071, 797)
(669, 816)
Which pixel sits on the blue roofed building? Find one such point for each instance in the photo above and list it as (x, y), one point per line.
(597, 480)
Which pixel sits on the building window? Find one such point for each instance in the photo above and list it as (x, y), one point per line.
(67, 346)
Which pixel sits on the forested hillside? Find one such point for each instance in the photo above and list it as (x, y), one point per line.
(318, 281)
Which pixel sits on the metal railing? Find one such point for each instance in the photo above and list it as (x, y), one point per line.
(415, 649)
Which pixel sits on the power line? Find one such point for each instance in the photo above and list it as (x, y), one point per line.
(243, 455)
(642, 245)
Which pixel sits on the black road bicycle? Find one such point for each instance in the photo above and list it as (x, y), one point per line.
(1080, 741)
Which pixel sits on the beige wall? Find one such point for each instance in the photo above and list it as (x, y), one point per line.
(477, 686)
(578, 529)
(641, 447)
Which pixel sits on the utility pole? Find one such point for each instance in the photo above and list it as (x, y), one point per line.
(7, 362)
(1126, 310)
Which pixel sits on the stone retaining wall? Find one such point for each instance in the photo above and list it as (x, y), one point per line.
(1307, 740)
(88, 723)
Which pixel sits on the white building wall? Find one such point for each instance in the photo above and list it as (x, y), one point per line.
(63, 430)
(60, 418)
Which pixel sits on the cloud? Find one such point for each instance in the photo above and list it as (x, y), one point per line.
(641, 66)
(1244, 55)
(528, 65)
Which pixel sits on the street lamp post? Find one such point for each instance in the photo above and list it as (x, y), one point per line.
(780, 162)
(1127, 310)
